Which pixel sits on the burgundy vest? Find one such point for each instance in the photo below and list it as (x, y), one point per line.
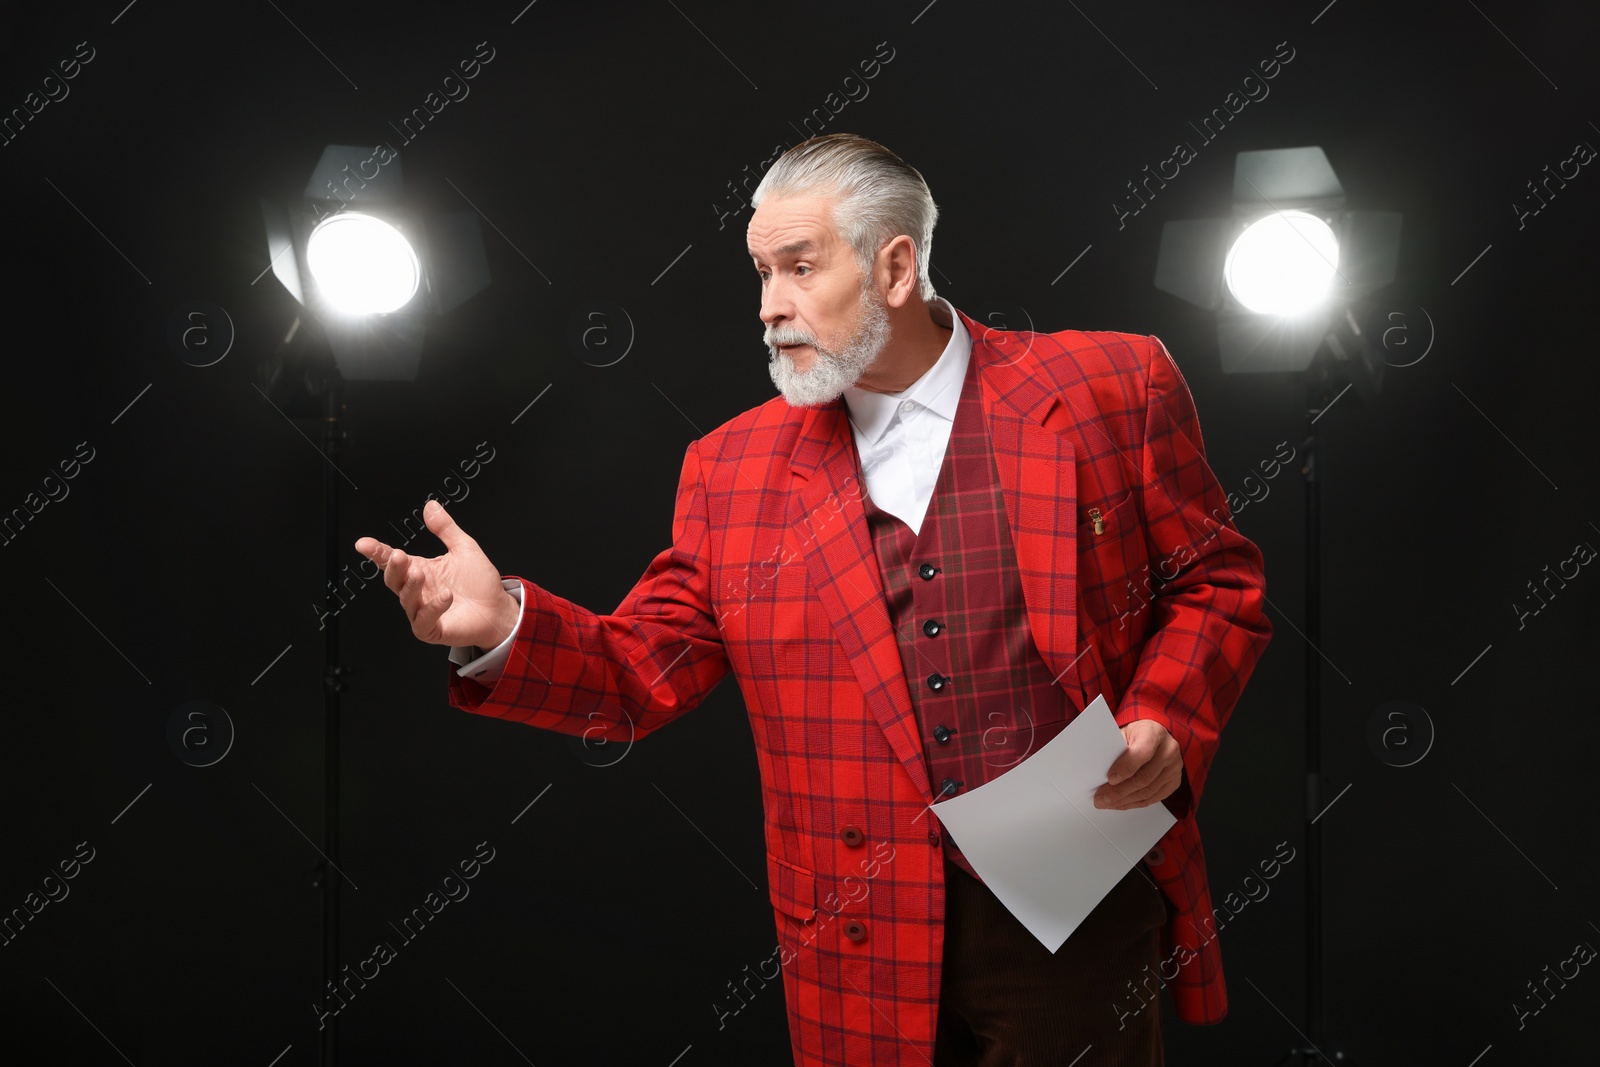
(984, 698)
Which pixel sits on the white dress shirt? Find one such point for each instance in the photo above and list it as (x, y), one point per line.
(901, 438)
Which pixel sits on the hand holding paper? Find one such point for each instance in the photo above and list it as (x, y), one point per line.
(1036, 838)
(1149, 771)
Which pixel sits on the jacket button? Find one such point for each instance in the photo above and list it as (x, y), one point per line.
(948, 787)
(927, 571)
(932, 628)
(941, 734)
(1156, 856)
(852, 836)
(933, 837)
(856, 930)
(936, 680)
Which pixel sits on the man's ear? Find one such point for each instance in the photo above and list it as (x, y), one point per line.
(897, 265)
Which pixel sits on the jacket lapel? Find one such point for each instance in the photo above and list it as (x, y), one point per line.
(844, 571)
(1038, 481)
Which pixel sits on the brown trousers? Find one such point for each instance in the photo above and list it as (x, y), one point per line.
(1007, 1001)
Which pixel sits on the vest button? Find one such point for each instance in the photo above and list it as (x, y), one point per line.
(948, 787)
(932, 628)
(933, 838)
(927, 571)
(852, 836)
(936, 681)
(856, 930)
(941, 734)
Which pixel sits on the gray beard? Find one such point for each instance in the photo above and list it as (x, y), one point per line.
(832, 371)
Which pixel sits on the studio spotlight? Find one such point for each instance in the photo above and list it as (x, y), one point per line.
(1285, 272)
(372, 270)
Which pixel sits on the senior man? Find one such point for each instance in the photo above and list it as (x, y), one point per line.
(919, 563)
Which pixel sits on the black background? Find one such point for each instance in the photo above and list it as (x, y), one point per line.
(597, 142)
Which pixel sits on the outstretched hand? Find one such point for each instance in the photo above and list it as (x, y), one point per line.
(452, 599)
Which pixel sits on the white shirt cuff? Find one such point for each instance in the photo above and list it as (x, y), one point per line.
(487, 667)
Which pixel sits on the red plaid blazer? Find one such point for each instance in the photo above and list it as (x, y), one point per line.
(772, 576)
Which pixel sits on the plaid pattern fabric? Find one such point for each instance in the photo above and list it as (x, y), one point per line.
(983, 697)
(772, 576)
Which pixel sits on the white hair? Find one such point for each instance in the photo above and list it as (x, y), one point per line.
(880, 196)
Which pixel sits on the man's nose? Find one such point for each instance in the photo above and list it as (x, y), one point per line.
(776, 305)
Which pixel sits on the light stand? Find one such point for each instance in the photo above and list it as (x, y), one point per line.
(304, 385)
(1317, 1051)
(1347, 362)
(333, 683)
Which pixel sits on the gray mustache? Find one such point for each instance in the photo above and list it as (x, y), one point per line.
(774, 338)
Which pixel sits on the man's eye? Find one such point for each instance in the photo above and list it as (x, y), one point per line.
(800, 268)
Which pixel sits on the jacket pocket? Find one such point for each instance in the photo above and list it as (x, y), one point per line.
(793, 889)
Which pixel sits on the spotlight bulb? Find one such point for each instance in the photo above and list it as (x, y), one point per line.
(362, 265)
(1282, 264)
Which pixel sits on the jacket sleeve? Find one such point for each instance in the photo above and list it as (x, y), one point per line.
(623, 675)
(1208, 626)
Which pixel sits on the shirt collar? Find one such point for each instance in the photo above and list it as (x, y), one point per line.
(938, 390)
